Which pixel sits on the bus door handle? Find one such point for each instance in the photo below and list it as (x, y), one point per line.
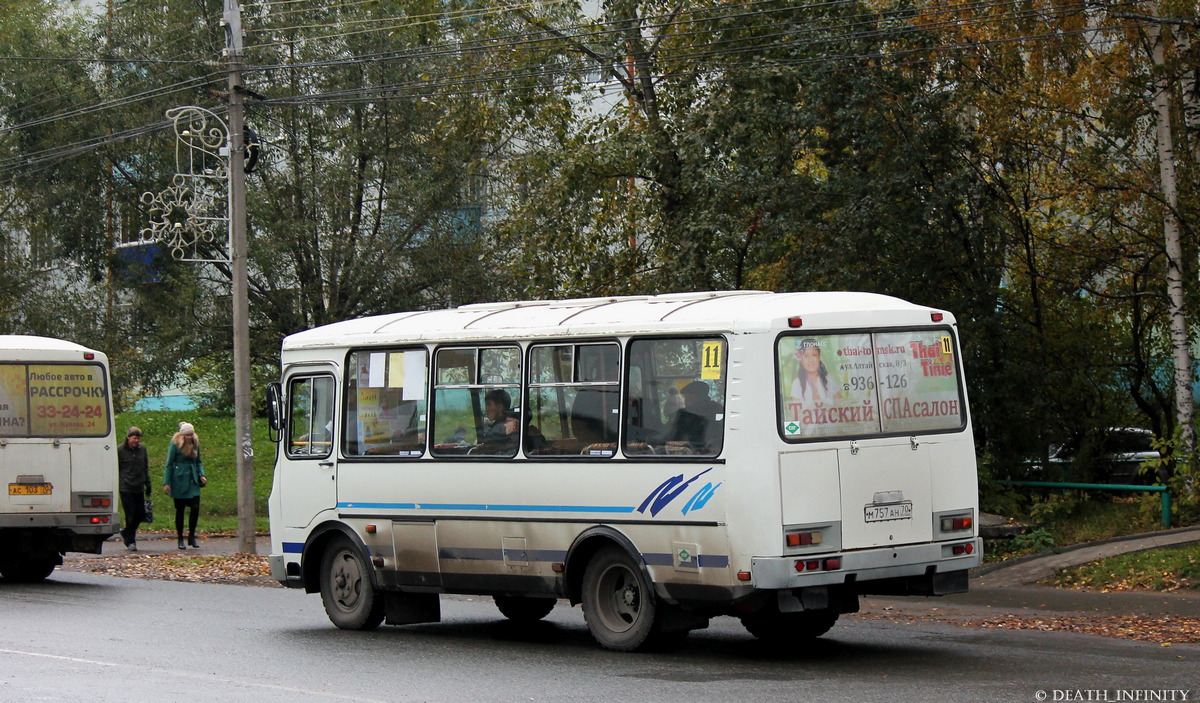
(326, 464)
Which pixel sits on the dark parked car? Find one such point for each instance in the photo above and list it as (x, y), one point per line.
(1115, 456)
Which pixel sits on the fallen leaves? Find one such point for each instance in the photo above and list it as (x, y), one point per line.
(1165, 630)
(244, 569)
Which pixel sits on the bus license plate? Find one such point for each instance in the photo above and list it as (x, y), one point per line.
(891, 511)
(30, 489)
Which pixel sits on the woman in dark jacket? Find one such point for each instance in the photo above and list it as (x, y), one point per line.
(133, 463)
(183, 479)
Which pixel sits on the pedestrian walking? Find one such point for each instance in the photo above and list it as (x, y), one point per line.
(183, 478)
(133, 466)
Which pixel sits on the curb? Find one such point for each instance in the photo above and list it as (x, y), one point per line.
(989, 568)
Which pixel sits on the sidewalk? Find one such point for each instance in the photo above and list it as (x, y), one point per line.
(1008, 587)
(166, 544)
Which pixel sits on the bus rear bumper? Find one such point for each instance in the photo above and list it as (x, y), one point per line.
(888, 566)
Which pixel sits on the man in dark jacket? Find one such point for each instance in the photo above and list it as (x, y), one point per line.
(134, 466)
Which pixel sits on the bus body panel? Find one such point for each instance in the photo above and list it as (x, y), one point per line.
(713, 534)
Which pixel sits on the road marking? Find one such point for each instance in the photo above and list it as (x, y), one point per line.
(55, 656)
(206, 677)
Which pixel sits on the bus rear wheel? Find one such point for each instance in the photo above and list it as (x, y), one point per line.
(782, 628)
(619, 604)
(524, 608)
(346, 591)
(27, 569)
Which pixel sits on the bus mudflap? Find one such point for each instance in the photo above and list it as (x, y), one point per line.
(411, 608)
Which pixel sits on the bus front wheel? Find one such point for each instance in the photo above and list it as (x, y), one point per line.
(619, 604)
(346, 591)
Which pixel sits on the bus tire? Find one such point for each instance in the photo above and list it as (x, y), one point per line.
(782, 628)
(524, 608)
(619, 604)
(346, 591)
(27, 570)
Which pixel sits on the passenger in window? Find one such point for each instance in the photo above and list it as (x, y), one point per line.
(698, 422)
(499, 431)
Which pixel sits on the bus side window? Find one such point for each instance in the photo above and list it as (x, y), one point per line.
(676, 397)
(574, 399)
(310, 430)
(385, 403)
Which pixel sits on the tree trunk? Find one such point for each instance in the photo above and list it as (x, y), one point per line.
(1174, 249)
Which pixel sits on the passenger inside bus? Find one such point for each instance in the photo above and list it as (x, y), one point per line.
(498, 431)
(697, 425)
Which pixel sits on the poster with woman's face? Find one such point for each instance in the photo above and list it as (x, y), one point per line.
(827, 385)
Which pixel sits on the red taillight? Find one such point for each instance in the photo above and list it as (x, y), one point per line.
(953, 524)
(100, 520)
(936, 316)
(960, 549)
(795, 322)
(89, 356)
(803, 539)
(832, 564)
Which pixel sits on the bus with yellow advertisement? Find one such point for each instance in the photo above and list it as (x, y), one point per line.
(659, 460)
(58, 461)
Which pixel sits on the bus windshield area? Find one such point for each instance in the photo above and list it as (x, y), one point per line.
(868, 383)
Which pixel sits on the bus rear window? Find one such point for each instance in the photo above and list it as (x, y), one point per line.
(53, 400)
(867, 383)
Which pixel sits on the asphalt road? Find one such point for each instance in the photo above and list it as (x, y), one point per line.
(81, 637)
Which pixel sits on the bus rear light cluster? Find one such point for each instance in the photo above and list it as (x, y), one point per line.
(803, 539)
(100, 520)
(827, 564)
(961, 549)
(96, 501)
(955, 524)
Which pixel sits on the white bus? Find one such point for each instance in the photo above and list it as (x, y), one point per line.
(659, 459)
(58, 454)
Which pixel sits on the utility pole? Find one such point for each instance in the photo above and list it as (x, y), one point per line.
(232, 21)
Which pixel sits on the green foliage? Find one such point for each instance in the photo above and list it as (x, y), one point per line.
(1181, 471)
(1055, 507)
(1038, 540)
(946, 154)
(1171, 569)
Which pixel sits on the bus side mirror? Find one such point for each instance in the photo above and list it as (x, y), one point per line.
(275, 411)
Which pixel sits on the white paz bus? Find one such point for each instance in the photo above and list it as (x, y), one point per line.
(661, 460)
(58, 454)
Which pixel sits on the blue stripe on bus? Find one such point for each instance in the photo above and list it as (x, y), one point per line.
(709, 561)
(490, 508)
